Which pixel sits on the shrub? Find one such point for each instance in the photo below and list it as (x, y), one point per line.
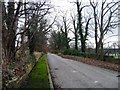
(73, 52)
(108, 57)
(111, 59)
(91, 55)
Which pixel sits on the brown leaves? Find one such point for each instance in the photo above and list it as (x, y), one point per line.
(94, 62)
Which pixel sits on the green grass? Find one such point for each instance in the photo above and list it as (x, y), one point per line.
(116, 57)
(38, 78)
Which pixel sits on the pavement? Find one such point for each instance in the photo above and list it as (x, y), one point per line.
(73, 74)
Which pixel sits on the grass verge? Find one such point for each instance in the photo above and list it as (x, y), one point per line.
(38, 78)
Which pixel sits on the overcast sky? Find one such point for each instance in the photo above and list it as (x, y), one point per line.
(61, 6)
(68, 5)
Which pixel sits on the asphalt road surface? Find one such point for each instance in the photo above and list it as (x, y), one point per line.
(73, 74)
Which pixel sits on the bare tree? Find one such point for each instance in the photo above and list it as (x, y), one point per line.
(104, 23)
(1, 52)
(83, 37)
(30, 14)
(10, 20)
(66, 31)
(75, 32)
(11, 17)
(94, 6)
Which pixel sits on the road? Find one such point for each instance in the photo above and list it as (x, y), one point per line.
(73, 74)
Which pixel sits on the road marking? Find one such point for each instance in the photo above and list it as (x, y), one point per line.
(95, 81)
(74, 71)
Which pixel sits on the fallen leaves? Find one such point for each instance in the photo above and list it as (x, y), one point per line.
(94, 62)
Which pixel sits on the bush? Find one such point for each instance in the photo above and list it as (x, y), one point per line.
(55, 51)
(91, 55)
(108, 57)
(112, 59)
(73, 52)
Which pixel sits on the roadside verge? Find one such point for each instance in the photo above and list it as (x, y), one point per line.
(39, 77)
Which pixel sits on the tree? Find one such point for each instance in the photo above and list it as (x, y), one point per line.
(16, 37)
(1, 52)
(94, 6)
(10, 21)
(12, 16)
(39, 39)
(104, 23)
(75, 32)
(37, 23)
(57, 40)
(83, 37)
(66, 31)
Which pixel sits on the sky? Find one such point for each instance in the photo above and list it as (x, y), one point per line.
(68, 5)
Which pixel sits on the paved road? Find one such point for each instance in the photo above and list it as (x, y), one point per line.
(73, 74)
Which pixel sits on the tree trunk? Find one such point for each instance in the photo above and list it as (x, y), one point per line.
(83, 48)
(66, 33)
(96, 33)
(101, 52)
(76, 41)
(80, 27)
(0, 38)
(11, 32)
(76, 34)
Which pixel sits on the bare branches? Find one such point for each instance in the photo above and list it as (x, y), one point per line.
(28, 13)
(50, 26)
(86, 28)
(110, 7)
(93, 4)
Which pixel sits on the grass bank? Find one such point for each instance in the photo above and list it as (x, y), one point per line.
(38, 78)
